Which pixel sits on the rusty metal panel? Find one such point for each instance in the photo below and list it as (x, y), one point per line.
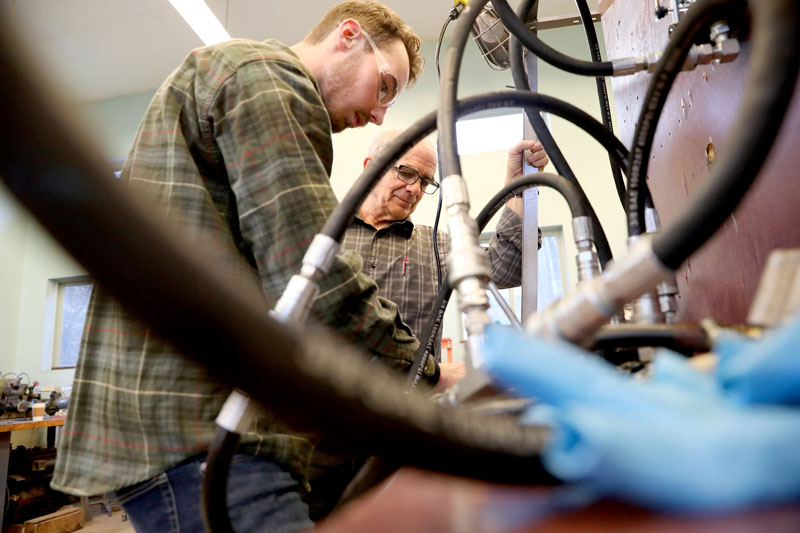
(720, 279)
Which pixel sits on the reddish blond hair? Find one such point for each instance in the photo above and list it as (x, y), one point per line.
(380, 22)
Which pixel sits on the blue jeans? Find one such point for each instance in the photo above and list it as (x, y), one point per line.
(261, 497)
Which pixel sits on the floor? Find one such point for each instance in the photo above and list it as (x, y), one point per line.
(102, 523)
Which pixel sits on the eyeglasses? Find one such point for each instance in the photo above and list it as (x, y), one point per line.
(410, 176)
(390, 89)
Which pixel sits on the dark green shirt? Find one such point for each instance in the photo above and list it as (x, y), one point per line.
(235, 148)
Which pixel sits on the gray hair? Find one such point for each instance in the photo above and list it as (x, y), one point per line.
(385, 137)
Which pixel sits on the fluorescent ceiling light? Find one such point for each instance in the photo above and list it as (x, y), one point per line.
(202, 20)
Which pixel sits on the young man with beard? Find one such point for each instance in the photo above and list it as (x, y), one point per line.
(235, 148)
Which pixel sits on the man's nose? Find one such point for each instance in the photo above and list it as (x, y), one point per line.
(377, 114)
(415, 188)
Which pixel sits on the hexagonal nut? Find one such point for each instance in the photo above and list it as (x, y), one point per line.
(720, 29)
(652, 59)
(705, 53)
(668, 305)
(727, 51)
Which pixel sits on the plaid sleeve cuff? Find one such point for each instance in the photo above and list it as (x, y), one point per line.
(509, 227)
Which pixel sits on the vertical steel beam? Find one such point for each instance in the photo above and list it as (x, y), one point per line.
(530, 214)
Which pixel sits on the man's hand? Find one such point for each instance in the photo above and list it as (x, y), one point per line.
(535, 157)
(449, 375)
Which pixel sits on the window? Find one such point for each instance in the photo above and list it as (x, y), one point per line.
(487, 134)
(552, 279)
(67, 302)
(477, 134)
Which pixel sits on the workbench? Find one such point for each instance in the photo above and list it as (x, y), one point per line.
(17, 424)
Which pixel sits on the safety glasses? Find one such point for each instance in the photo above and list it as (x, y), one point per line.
(389, 87)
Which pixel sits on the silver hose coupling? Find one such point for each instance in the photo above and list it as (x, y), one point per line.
(237, 413)
(646, 307)
(586, 258)
(468, 270)
(577, 316)
(724, 50)
(667, 290)
(297, 299)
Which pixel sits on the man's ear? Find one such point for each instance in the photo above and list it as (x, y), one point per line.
(366, 161)
(347, 33)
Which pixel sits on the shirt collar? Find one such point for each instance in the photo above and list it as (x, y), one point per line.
(403, 227)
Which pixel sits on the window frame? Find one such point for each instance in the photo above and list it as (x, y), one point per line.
(514, 294)
(51, 343)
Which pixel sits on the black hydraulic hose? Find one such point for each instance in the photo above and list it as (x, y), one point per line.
(337, 223)
(543, 132)
(446, 116)
(154, 273)
(578, 208)
(577, 203)
(686, 338)
(448, 89)
(773, 74)
(697, 18)
(516, 27)
(428, 338)
(602, 90)
(451, 17)
(436, 241)
(215, 481)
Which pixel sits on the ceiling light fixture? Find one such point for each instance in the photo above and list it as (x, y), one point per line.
(202, 20)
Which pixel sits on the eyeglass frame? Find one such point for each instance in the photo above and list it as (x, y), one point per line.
(424, 188)
(383, 69)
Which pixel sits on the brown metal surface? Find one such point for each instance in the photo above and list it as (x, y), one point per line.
(419, 501)
(720, 280)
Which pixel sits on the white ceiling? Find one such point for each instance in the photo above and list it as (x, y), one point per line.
(96, 49)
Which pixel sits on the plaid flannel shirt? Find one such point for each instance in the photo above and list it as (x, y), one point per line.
(236, 146)
(400, 259)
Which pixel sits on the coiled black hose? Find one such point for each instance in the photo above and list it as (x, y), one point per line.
(446, 116)
(696, 20)
(516, 27)
(773, 74)
(343, 214)
(521, 82)
(602, 90)
(215, 481)
(578, 208)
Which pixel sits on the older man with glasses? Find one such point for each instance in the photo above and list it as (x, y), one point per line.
(399, 256)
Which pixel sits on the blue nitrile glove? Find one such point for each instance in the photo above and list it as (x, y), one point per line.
(675, 442)
(761, 371)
